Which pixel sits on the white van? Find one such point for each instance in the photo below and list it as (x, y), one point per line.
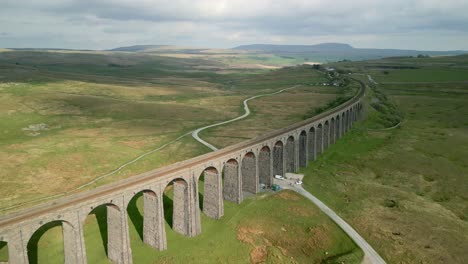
(279, 177)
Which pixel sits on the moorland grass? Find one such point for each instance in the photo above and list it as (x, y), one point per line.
(102, 110)
(278, 228)
(404, 189)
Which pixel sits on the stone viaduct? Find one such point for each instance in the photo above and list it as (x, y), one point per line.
(227, 174)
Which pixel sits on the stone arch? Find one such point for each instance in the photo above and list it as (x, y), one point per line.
(68, 237)
(145, 211)
(290, 154)
(319, 140)
(231, 183)
(338, 128)
(249, 173)
(348, 113)
(347, 120)
(311, 144)
(303, 149)
(210, 193)
(4, 253)
(278, 167)
(326, 135)
(112, 224)
(176, 205)
(356, 112)
(332, 130)
(343, 124)
(264, 166)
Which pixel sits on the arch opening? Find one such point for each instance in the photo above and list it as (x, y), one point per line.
(108, 221)
(145, 213)
(348, 120)
(290, 155)
(264, 167)
(249, 173)
(332, 131)
(278, 168)
(326, 135)
(338, 128)
(311, 144)
(3, 251)
(319, 139)
(343, 123)
(57, 235)
(210, 189)
(231, 182)
(175, 206)
(303, 149)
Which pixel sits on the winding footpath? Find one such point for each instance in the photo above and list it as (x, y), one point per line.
(370, 255)
(246, 114)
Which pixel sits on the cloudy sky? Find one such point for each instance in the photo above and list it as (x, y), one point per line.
(104, 24)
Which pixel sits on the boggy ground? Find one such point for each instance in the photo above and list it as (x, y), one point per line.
(404, 189)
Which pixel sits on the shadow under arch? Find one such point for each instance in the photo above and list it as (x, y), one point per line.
(332, 131)
(303, 149)
(311, 144)
(338, 128)
(34, 246)
(319, 140)
(175, 205)
(136, 210)
(231, 181)
(249, 173)
(265, 175)
(326, 135)
(104, 215)
(290, 154)
(278, 168)
(3, 251)
(210, 197)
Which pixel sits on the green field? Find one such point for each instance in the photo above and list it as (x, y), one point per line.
(271, 227)
(70, 117)
(405, 189)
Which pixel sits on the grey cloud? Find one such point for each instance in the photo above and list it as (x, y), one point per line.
(223, 23)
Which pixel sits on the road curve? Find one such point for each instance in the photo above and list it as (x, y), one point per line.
(370, 255)
(246, 114)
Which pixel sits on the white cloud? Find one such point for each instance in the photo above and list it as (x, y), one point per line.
(223, 23)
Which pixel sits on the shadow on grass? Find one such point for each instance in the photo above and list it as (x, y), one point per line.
(3, 251)
(343, 257)
(33, 244)
(101, 218)
(135, 215)
(201, 189)
(168, 209)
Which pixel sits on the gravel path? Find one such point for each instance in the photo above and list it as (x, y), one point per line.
(246, 114)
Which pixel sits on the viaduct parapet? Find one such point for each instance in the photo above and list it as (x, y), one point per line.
(228, 174)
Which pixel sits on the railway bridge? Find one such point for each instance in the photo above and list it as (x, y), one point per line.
(226, 174)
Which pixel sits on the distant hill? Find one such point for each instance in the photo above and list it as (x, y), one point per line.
(337, 51)
(137, 48)
(296, 48)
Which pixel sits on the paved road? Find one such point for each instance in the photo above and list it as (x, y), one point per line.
(246, 114)
(370, 255)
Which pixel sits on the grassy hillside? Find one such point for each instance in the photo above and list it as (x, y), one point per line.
(273, 228)
(68, 117)
(404, 189)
